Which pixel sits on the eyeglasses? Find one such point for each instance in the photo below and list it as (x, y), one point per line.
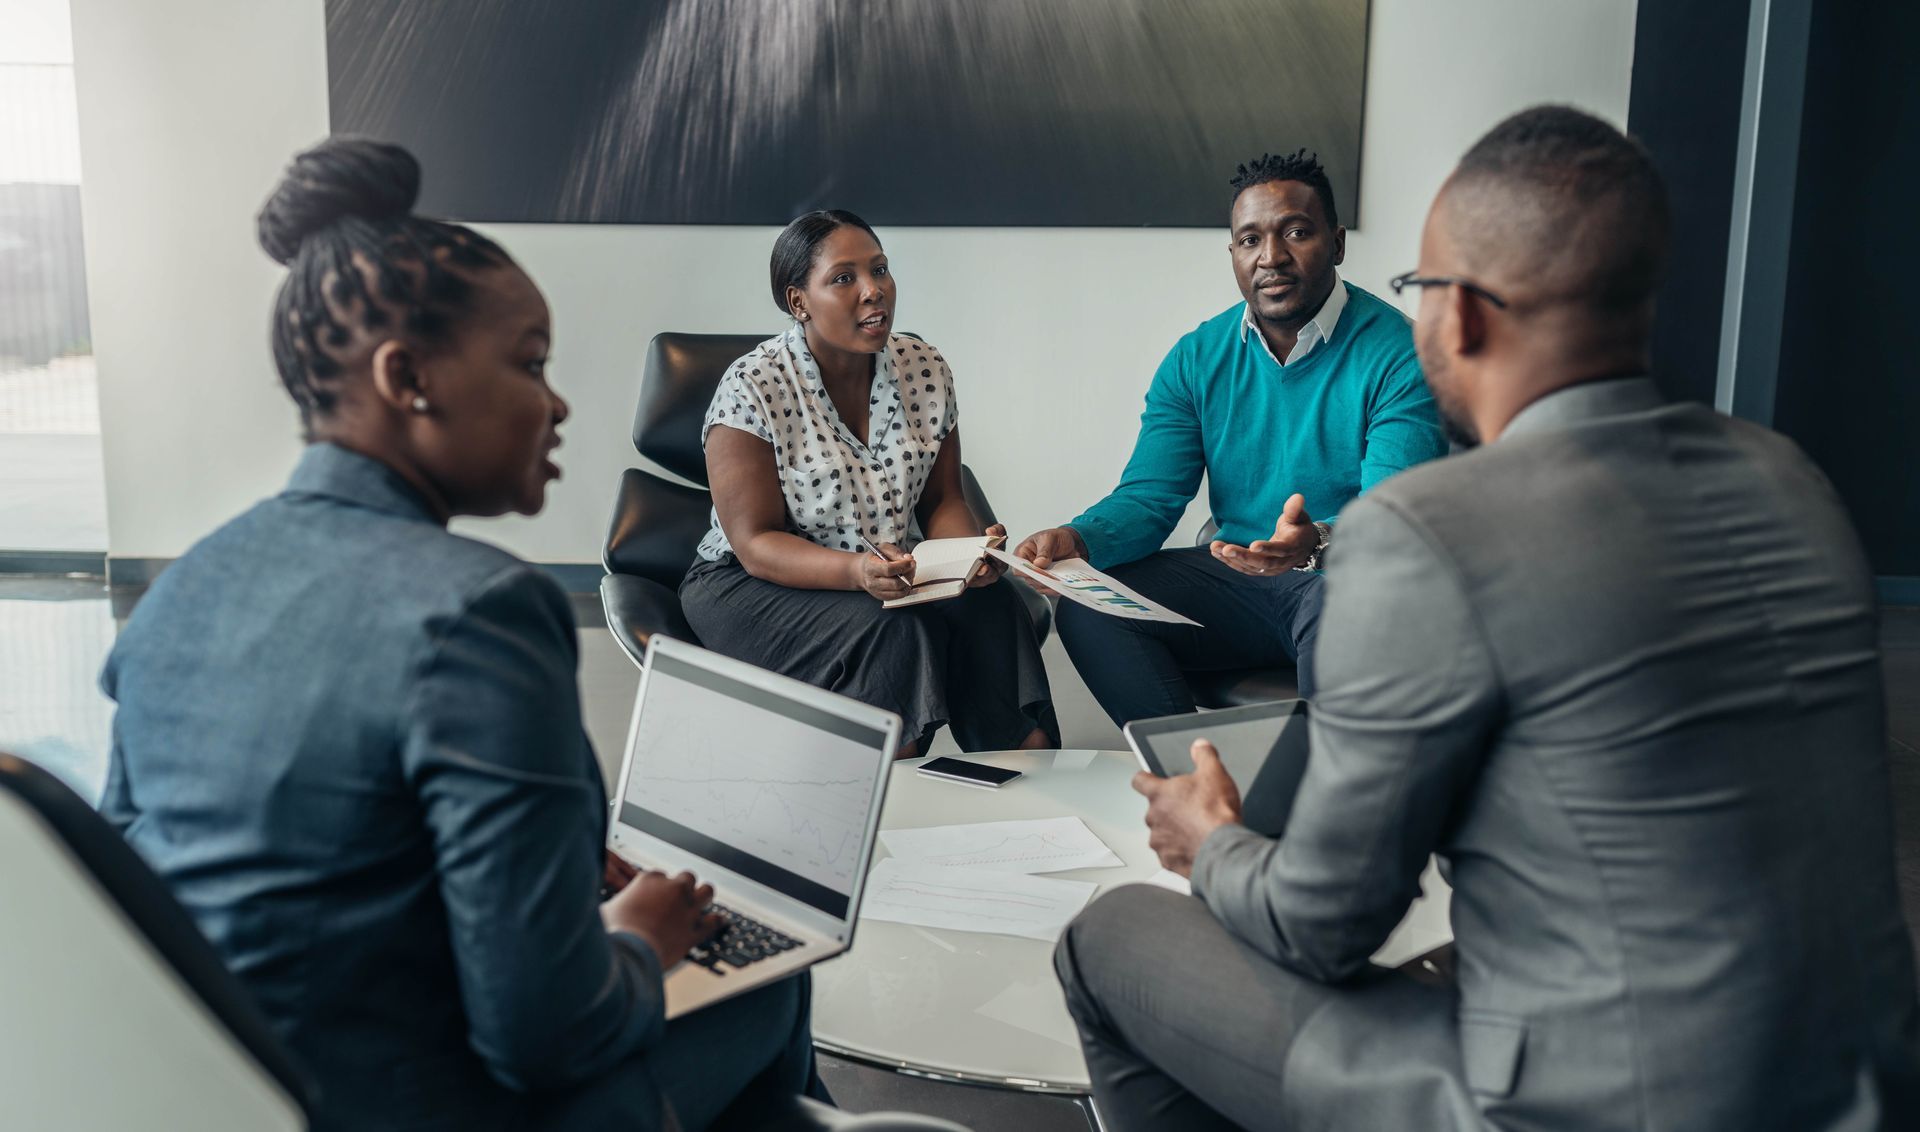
(1414, 279)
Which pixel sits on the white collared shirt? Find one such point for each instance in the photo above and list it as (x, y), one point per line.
(1317, 330)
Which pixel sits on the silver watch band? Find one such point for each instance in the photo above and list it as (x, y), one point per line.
(1320, 548)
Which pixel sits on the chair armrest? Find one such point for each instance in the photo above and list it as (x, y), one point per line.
(1037, 607)
(1039, 610)
(657, 525)
(637, 608)
(1238, 687)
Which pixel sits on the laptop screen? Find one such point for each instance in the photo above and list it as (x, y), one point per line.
(775, 790)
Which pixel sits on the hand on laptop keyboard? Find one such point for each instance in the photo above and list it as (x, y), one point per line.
(670, 913)
(739, 942)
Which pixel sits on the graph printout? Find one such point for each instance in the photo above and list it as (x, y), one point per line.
(972, 900)
(1080, 583)
(1044, 845)
(754, 780)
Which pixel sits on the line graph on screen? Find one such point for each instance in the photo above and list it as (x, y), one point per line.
(802, 810)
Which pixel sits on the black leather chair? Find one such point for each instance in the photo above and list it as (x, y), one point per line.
(1237, 687)
(658, 523)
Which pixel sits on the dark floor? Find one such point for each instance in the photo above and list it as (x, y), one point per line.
(55, 632)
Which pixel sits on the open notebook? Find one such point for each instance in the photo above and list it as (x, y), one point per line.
(942, 567)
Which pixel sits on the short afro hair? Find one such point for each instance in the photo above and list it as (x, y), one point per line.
(1298, 166)
(1568, 202)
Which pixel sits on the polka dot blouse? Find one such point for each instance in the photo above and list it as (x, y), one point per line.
(839, 486)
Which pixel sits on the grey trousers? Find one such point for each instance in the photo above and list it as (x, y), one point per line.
(1185, 1027)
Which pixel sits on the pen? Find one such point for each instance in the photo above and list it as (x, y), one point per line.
(874, 549)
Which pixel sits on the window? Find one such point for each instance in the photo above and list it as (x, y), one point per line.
(52, 489)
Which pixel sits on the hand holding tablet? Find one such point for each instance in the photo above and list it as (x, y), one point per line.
(1263, 749)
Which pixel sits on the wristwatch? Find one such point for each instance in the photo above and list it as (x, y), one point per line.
(1319, 548)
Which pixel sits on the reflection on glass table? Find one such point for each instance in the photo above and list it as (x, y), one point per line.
(985, 1008)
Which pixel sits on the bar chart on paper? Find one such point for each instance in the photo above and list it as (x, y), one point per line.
(1078, 582)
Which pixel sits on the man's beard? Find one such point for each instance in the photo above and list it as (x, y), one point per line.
(1458, 431)
(1454, 420)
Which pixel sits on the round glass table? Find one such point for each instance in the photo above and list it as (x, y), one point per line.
(968, 1006)
(986, 1009)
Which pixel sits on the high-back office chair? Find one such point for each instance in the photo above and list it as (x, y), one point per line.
(657, 523)
(114, 1011)
(1237, 687)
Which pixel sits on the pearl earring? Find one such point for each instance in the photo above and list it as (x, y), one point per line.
(419, 404)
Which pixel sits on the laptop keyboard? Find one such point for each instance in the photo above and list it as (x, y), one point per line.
(741, 942)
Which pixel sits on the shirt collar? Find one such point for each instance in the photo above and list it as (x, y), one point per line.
(1318, 329)
(343, 474)
(1589, 400)
(796, 344)
(884, 390)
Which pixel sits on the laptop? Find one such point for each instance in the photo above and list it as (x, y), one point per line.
(764, 787)
(1262, 746)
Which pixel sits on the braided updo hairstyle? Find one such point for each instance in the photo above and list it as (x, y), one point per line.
(357, 258)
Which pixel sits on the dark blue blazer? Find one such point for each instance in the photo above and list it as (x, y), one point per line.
(351, 743)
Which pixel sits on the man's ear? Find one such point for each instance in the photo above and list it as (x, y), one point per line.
(397, 379)
(1339, 246)
(1466, 323)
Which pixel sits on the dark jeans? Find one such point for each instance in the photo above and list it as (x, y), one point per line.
(1135, 668)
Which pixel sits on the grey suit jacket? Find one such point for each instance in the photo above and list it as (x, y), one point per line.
(1619, 670)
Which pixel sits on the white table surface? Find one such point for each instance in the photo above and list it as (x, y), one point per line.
(970, 1005)
(985, 1008)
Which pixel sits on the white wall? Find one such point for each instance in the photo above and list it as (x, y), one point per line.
(190, 108)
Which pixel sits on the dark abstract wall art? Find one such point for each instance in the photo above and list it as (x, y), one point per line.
(911, 112)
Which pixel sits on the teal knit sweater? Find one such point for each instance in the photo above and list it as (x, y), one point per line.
(1348, 415)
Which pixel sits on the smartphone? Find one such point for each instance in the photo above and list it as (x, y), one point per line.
(969, 774)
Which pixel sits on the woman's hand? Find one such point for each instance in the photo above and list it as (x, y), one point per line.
(616, 874)
(885, 579)
(990, 567)
(671, 914)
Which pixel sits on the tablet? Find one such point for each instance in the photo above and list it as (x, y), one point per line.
(1263, 747)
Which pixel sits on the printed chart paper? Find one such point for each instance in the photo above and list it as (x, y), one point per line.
(972, 900)
(1044, 845)
(1075, 580)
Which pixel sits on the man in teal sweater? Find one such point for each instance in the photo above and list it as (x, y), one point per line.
(1292, 403)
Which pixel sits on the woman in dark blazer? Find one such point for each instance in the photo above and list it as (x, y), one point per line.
(350, 740)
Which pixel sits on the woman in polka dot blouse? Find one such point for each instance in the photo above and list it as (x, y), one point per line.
(837, 431)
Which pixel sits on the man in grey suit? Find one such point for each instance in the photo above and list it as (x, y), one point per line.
(1618, 669)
